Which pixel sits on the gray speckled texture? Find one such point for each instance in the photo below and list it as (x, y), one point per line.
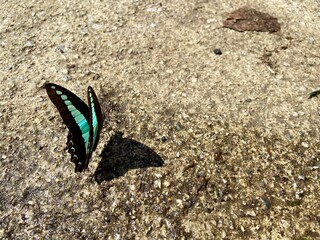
(241, 160)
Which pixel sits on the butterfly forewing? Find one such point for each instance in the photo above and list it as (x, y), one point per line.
(96, 119)
(76, 115)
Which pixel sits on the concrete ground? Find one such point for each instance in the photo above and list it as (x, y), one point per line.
(194, 146)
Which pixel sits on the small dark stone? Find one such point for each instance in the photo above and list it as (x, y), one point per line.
(164, 139)
(217, 51)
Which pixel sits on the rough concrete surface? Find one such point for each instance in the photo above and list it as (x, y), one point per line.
(194, 146)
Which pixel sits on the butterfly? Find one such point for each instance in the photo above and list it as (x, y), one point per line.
(84, 123)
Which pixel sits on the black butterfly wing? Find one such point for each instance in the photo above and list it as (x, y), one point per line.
(75, 114)
(95, 119)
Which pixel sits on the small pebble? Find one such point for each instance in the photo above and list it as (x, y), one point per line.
(178, 126)
(29, 44)
(179, 203)
(251, 213)
(266, 203)
(97, 26)
(157, 184)
(61, 49)
(66, 78)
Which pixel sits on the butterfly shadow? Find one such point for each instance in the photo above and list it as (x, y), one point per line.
(122, 154)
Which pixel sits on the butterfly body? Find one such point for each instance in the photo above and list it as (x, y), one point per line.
(84, 122)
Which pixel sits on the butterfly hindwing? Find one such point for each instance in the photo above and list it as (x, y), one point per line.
(76, 115)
